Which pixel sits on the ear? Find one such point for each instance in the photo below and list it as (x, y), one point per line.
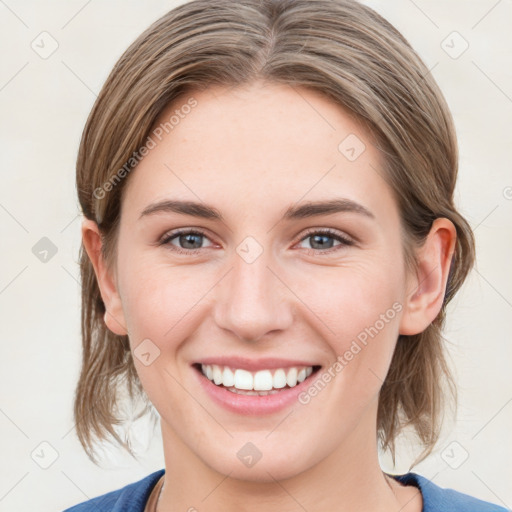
(114, 317)
(426, 289)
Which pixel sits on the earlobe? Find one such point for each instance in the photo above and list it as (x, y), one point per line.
(92, 241)
(427, 289)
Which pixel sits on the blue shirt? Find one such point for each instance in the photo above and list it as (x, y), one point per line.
(133, 497)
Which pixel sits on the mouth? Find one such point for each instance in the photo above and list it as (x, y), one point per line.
(264, 382)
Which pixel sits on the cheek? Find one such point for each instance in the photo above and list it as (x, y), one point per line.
(360, 309)
(349, 299)
(159, 304)
(161, 301)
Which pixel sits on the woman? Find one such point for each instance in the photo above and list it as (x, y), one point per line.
(269, 245)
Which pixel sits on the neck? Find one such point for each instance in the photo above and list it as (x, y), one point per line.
(348, 479)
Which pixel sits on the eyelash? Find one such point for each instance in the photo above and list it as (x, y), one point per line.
(345, 241)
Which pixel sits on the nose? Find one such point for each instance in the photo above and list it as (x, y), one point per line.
(253, 300)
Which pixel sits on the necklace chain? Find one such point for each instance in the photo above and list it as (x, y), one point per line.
(387, 479)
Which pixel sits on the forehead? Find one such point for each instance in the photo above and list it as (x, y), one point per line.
(261, 144)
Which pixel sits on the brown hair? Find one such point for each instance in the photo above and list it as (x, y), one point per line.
(339, 48)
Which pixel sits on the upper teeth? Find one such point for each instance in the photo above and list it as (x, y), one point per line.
(262, 380)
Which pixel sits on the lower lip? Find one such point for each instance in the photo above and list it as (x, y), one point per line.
(252, 405)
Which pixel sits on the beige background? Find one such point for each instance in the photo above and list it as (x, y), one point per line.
(44, 104)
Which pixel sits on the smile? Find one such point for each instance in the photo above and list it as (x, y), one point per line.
(255, 387)
(262, 382)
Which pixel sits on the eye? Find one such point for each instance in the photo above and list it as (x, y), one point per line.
(189, 241)
(319, 240)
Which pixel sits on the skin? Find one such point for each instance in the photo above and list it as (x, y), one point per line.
(251, 153)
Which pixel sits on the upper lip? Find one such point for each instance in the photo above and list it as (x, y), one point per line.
(267, 363)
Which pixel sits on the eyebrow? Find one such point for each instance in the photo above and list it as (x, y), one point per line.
(301, 211)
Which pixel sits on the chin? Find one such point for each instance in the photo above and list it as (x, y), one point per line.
(264, 466)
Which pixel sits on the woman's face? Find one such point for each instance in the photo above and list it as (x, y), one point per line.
(262, 288)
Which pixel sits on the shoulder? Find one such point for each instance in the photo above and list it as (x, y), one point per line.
(131, 498)
(437, 499)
